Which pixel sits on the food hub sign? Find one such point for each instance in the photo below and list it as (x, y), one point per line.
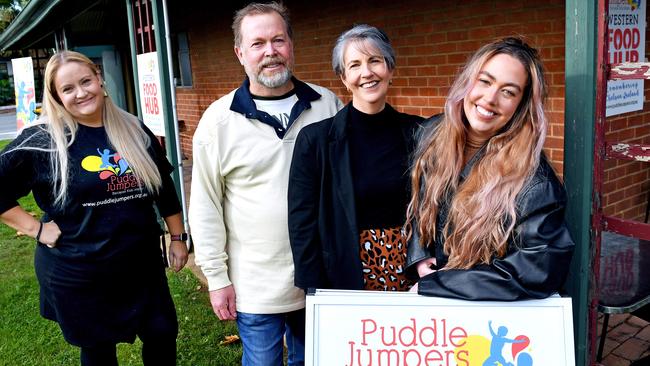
(355, 328)
(150, 97)
(625, 43)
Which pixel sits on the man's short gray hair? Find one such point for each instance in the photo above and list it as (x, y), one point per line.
(258, 9)
(362, 33)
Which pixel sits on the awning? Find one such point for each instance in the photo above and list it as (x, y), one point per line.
(39, 19)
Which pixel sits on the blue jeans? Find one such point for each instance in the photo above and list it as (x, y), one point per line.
(261, 336)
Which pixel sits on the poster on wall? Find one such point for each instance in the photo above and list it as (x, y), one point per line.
(153, 114)
(626, 43)
(355, 328)
(24, 91)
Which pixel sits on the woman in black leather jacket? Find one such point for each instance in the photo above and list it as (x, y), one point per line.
(486, 218)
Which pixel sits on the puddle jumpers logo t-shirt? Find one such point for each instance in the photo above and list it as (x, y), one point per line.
(112, 169)
(105, 178)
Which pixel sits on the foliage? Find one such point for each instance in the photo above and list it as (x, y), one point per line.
(28, 339)
(9, 9)
(7, 94)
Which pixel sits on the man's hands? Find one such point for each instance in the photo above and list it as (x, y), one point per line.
(223, 303)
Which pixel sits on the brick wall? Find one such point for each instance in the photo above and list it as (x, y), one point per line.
(432, 40)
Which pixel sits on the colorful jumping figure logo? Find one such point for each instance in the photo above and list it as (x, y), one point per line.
(25, 104)
(499, 341)
(634, 4)
(108, 164)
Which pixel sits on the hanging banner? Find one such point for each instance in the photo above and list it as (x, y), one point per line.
(626, 43)
(150, 98)
(355, 328)
(24, 90)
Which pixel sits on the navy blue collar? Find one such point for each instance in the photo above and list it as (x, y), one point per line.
(243, 103)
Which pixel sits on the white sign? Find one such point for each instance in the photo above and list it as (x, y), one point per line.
(354, 328)
(153, 114)
(626, 41)
(24, 91)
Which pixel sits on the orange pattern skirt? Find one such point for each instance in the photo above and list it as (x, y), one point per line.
(383, 254)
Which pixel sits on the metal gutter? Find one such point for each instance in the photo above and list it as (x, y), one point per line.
(579, 125)
(27, 20)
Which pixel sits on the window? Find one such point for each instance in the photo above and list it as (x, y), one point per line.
(181, 60)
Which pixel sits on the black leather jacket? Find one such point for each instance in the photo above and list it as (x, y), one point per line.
(536, 263)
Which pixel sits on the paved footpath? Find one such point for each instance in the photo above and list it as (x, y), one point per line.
(628, 339)
(7, 124)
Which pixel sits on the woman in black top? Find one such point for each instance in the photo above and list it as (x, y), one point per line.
(97, 173)
(348, 184)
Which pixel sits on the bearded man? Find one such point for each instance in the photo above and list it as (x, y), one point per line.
(242, 152)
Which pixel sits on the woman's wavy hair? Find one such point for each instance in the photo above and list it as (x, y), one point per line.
(122, 128)
(482, 213)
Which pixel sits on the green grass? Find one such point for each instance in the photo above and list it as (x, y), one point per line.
(28, 339)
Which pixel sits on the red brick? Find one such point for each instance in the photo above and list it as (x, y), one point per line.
(632, 349)
(614, 360)
(644, 333)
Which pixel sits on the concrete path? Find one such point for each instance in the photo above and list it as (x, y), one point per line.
(8, 129)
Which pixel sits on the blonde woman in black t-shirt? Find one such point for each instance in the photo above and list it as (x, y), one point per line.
(97, 173)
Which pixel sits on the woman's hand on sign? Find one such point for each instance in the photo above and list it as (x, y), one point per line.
(426, 266)
(414, 288)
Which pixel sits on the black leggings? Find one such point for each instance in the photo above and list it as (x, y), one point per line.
(155, 351)
(157, 331)
(160, 352)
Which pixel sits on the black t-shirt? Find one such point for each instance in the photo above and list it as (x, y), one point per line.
(379, 162)
(107, 214)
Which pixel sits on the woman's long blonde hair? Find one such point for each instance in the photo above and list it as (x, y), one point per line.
(482, 213)
(122, 128)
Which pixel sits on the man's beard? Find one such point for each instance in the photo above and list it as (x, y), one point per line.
(277, 79)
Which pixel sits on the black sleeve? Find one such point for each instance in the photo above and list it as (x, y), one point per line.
(16, 166)
(535, 267)
(303, 203)
(415, 252)
(166, 200)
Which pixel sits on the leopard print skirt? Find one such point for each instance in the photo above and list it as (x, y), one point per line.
(383, 255)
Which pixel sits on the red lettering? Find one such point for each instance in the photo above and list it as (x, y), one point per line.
(433, 337)
(636, 38)
(351, 343)
(444, 333)
(383, 337)
(461, 334)
(388, 353)
(410, 329)
(150, 89)
(627, 38)
(431, 356)
(447, 356)
(365, 331)
(407, 353)
(460, 359)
